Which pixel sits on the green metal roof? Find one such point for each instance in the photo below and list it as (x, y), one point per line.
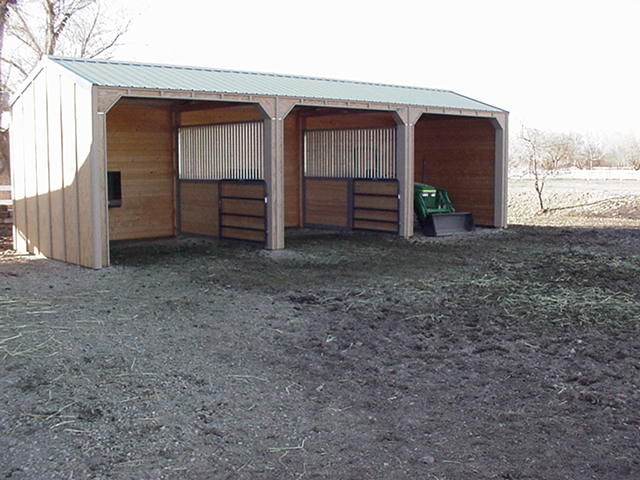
(109, 73)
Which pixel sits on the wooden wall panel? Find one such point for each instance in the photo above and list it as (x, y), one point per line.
(242, 206)
(18, 177)
(199, 208)
(373, 225)
(240, 234)
(85, 176)
(69, 170)
(369, 187)
(42, 165)
(30, 168)
(56, 165)
(383, 203)
(240, 113)
(348, 120)
(326, 202)
(256, 223)
(140, 146)
(458, 154)
(228, 189)
(292, 170)
(56, 184)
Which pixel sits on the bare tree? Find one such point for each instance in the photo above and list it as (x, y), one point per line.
(629, 152)
(30, 29)
(559, 149)
(4, 100)
(532, 143)
(590, 152)
(78, 28)
(545, 153)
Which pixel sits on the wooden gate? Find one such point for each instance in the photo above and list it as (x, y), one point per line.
(352, 203)
(375, 205)
(243, 212)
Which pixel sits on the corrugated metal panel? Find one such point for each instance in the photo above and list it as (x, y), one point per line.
(350, 153)
(225, 151)
(142, 75)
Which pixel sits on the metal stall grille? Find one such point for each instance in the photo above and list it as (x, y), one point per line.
(221, 189)
(224, 151)
(350, 153)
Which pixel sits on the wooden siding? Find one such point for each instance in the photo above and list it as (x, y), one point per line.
(327, 202)
(241, 190)
(458, 154)
(292, 170)
(240, 113)
(55, 170)
(348, 120)
(199, 208)
(140, 146)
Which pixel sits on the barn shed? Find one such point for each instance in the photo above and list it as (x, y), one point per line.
(106, 150)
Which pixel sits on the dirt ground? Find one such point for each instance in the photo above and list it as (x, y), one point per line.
(502, 355)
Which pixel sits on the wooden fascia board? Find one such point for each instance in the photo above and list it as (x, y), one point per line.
(296, 101)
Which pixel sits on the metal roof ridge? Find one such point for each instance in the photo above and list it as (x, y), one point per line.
(246, 72)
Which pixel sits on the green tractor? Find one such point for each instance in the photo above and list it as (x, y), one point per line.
(436, 214)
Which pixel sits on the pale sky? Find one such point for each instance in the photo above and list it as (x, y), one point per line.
(563, 65)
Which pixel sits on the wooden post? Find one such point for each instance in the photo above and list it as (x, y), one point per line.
(406, 119)
(500, 124)
(275, 110)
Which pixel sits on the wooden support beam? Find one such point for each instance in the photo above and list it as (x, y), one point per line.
(275, 110)
(500, 124)
(406, 119)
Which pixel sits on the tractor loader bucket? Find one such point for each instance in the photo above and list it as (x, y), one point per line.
(440, 224)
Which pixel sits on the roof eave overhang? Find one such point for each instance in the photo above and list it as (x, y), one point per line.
(108, 95)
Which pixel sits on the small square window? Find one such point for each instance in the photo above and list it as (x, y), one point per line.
(114, 189)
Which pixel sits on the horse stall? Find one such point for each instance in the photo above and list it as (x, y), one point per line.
(107, 151)
(349, 175)
(185, 167)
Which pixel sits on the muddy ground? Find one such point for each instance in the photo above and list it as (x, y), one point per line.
(506, 355)
(502, 355)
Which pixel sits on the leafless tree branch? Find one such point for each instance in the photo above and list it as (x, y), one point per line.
(8, 61)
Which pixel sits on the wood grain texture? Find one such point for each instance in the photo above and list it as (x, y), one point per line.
(18, 177)
(31, 169)
(85, 176)
(327, 202)
(368, 197)
(458, 154)
(385, 203)
(42, 165)
(55, 168)
(376, 188)
(349, 120)
(373, 225)
(239, 206)
(199, 208)
(292, 171)
(239, 234)
(241, 190)
(258, 223)
(364, 214)
(139, 145)
(69, 172)
(227, 114)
